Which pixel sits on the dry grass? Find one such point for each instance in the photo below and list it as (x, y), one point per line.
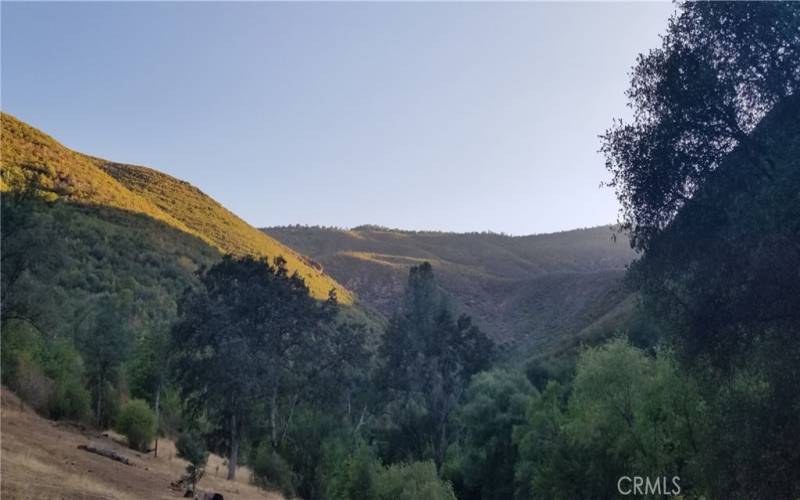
(40, 460)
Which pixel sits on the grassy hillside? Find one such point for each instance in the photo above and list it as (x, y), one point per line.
(41, 460)
(527, 292)
(83, 180)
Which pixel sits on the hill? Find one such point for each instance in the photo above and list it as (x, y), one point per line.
(527, 292)
(82, 180)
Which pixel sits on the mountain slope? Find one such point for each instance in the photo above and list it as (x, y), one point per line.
(80, 179)
(527, 292)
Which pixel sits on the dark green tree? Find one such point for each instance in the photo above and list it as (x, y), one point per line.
(30, 247)
(148, 368)
(481, 463)
(191, 447)
(427, 358)
(237, 341)
(708, 176)
(105, 345)
(721, 67)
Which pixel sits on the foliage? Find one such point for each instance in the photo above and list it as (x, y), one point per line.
(723, 280)
(87, 181)
(626, 414)
(253, 333)
(350, 470)
(357, 474)
(191, 447)
(105, 346)
(93, 280)
(270, 470)
(482, 464)
(639, 408)
(32, 385)
(46, 373)
(426, 359)
(721, 67)
(412, 481)
(96, 255)
(70, 401)
(138, 423)
(708, 176)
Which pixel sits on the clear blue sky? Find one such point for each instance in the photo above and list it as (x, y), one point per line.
(422, 116)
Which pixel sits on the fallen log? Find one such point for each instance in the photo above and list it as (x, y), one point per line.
(113, 455)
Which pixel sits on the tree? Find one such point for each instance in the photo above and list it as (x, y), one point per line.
(105, 346)
(721, 67)
(641, 409)
(191, 448)
(427, 358)
(626, 414)
(237, 337)
(483, 459)
(31, 246)
(148, 368)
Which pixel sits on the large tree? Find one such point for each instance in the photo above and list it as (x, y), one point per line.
(427, 357)
(240, 336)
(481, 463)
(708, 174)
(721, 67)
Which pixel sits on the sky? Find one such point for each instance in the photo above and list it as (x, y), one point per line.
(441, 116)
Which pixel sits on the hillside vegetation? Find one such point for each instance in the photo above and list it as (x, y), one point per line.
(79, 179)
(526, 292)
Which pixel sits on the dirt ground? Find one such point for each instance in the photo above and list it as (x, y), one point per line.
(40, 459)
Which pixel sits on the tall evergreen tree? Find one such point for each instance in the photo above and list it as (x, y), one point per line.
(427, 358)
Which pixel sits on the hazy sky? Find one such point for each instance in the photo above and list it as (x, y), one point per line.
(422, 116)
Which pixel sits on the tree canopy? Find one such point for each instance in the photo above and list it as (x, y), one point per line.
(720, 68)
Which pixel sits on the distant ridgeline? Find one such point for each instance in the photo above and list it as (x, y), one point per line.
(530, 293)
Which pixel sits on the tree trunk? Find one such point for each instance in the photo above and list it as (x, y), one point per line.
(233, 456)
(441, 447)
(273, 417)
(99, 401)
(158, 415)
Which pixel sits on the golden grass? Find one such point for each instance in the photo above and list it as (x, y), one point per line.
(27, 472)
(40, 460)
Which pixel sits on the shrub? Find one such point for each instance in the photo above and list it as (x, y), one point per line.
(191, 447)
(413, 481)
(70, 401)
(138, 423)
(32, 385)
(350, 474)
(111, 407)
(270, 470)
(357, 474)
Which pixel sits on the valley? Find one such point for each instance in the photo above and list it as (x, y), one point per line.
(531, 294)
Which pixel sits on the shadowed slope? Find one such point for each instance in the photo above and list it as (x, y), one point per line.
(527, 292)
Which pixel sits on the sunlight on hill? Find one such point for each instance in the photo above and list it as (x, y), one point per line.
(80, 179)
